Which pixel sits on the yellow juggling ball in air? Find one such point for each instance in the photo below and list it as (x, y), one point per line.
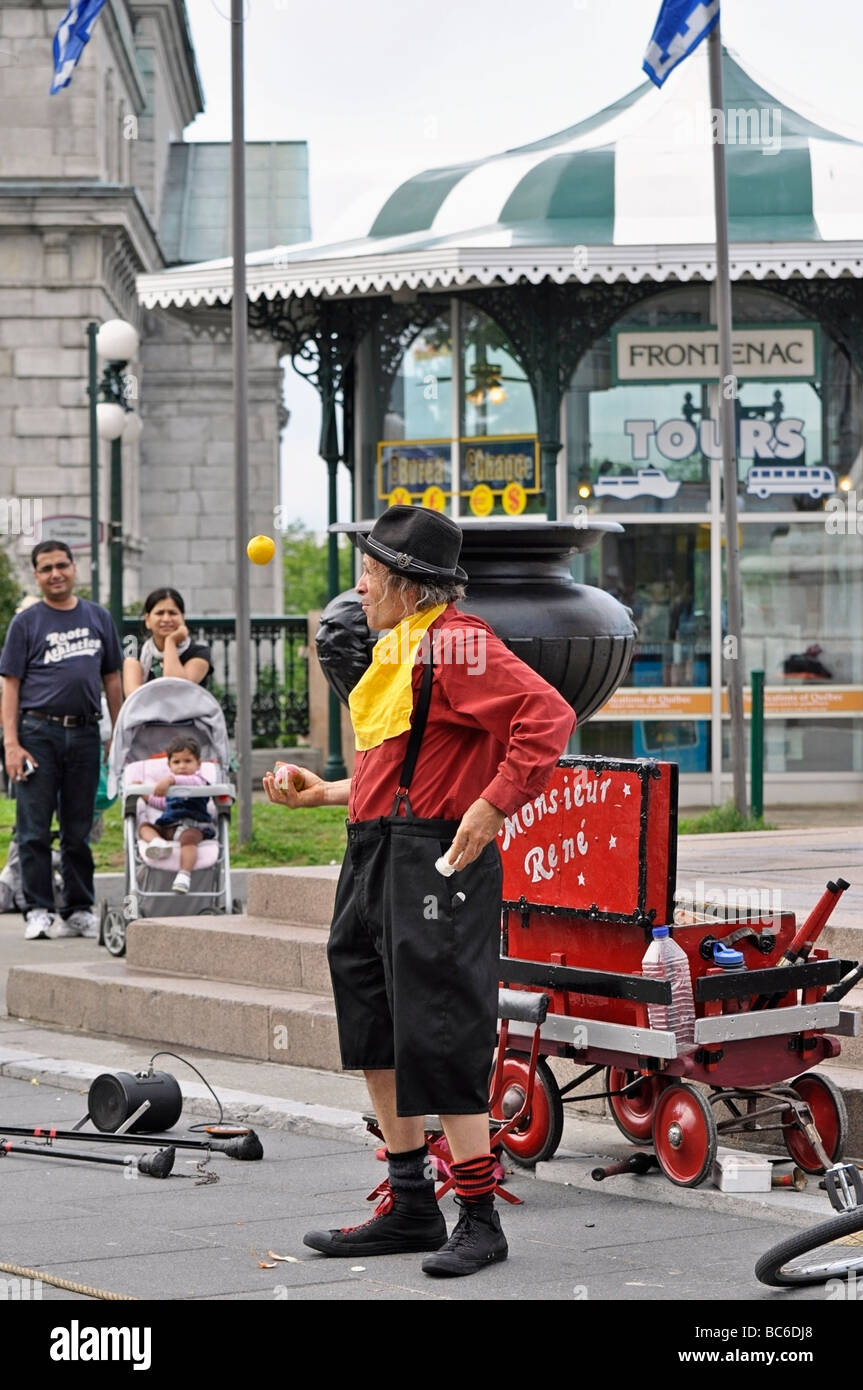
(261, 549)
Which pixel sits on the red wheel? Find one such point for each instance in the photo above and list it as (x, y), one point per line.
(633, 1113)
(537, 1136)
(684, 1135)
(826, 1102)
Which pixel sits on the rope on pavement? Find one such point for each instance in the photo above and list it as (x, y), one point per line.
(86, 1289)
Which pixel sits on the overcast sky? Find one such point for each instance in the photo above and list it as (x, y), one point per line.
(385, 88)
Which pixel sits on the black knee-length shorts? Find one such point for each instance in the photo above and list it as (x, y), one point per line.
(415, 969)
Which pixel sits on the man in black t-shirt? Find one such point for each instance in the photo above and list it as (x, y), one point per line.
(58, 655)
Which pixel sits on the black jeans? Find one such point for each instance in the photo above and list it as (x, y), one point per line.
(66, 779)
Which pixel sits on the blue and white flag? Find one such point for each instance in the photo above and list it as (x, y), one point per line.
(71, 38)
(681, 26)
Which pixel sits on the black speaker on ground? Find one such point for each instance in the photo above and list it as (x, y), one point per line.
(115, 1095)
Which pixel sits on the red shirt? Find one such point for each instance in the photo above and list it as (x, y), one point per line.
(495, 730)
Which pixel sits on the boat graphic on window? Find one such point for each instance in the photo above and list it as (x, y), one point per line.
(765, 480)
(647, 482)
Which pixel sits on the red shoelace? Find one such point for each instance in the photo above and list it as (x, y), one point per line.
(385, 1192)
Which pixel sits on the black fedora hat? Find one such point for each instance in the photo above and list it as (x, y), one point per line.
(417, 542)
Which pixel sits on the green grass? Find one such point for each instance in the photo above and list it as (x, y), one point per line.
(279, 837)
(317, 836)
(721, 820)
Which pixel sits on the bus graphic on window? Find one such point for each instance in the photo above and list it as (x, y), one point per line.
(768, 479)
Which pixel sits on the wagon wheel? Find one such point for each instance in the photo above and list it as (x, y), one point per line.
(113, 930)
(684, 1135)
(826, 1102)
(633, 1113)
(537, 1136)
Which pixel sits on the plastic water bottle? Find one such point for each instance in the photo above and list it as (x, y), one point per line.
(664, 960)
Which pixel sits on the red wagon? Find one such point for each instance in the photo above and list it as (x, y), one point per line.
(589, 870)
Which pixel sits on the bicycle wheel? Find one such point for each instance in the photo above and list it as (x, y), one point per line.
(833, 1250)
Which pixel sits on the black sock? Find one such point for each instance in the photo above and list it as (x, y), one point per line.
(410, 1171)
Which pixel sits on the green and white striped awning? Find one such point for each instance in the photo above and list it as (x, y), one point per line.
(627, 193)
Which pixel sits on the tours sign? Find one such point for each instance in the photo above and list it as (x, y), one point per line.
(759, 353)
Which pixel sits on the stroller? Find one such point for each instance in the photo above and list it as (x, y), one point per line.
(152, 716)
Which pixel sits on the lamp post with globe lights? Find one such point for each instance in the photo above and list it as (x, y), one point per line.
(111, 418)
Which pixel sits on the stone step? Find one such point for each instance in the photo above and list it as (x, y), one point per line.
(243, 950)
(112, 998)
(850, 1083)
(302, 894)
(844, 941)
(851, 1055)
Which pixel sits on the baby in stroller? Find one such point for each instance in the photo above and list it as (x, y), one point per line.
(183, 819)
(170, 763)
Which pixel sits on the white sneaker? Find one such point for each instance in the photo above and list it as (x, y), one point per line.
(182, 882)
(154, 850)
(80, 923)
(38, 924)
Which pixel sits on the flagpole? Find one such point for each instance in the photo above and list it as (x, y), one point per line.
(239, 324)
(728, 425)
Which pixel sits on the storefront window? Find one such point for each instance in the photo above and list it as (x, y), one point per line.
(802, 607)
(642, 411)
(421, 400)
(807, 746)
(498, 399)
(489, 457)
(663, 576)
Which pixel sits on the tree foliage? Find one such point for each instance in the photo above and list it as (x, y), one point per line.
(11, 593)
(304, 562)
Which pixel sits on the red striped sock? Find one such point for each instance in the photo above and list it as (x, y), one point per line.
(474, 1178)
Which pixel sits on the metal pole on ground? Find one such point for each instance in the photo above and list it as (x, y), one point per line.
(116, 590)
(727, 398)
(243, 725)
(335, 769)
(93, 393)
(756, 733)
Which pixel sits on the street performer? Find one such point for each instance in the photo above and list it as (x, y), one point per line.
(453, 734)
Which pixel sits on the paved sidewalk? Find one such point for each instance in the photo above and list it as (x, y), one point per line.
(641, 1241)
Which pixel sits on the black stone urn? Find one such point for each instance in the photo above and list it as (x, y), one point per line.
(576, 636)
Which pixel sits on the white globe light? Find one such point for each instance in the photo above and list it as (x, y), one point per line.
(117, 341)
(132, 427)
(110, 420)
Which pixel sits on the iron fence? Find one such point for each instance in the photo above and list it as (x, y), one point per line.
(280, 672)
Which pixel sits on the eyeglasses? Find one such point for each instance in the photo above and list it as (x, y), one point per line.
(62, 565)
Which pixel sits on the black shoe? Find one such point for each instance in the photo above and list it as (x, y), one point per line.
(477, 1241)
(403, 1223)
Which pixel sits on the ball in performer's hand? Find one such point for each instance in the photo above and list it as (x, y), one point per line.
(261, 549)
(286, 771)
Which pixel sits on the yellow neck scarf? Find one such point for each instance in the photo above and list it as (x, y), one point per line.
(381, 703)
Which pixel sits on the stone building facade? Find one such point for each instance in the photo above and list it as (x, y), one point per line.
(87, 201)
